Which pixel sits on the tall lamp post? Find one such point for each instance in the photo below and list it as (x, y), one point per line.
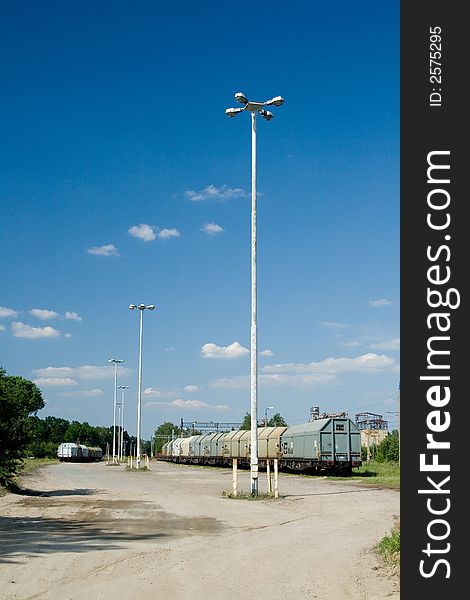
(116, 361)
(123, 388)
(254, 108)
(141, 307)
(266, 415)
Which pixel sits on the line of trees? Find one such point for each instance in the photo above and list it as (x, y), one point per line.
(48, 433)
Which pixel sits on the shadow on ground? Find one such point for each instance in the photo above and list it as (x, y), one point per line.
(53, 493)
(91, 525)
(27, 535)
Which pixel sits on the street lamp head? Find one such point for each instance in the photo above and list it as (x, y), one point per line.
(277, 101)
(254, 107)
(116, 360)
(240, 97)
(266, 114)
(142, 306)
(232, 112)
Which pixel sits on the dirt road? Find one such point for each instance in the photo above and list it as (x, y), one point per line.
(92, 531)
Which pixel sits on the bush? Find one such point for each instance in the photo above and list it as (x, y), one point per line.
(389, 449)
(19, 398)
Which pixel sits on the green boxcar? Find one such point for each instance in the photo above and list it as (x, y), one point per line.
(323, 443)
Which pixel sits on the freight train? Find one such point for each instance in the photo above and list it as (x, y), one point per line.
(71, 452)
(325, 445)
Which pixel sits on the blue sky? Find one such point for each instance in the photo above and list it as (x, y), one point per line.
(123, 181)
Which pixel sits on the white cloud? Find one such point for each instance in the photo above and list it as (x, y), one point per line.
(143, 231)
(306, 375)
(386, 345)
(364, 363)
(106, 250)
(211, 228)
(352, 344)
(21, 330)
(266, 352)
(380, 302)
(54, 372)
(243, 382)
(7, 312)
(211, 192)
(83, 393)
(2, 327)
(194, 404)
(152, 392)
(98, 372)
(234, 350)
(87, 372)
(43, 313)
(191, 389)
(72, 316)
(168, 233)
(55, 381)
(68, 335)
(304, 380)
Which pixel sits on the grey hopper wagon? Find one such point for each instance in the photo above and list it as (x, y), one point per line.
(331, 444)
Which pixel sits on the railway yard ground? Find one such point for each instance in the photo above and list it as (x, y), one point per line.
(99, 532)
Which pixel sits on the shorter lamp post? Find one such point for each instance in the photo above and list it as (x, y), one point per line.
(266, 415)
(116, 361)
(123, 388)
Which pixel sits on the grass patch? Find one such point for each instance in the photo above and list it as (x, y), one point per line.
(29, 466)
(389, 547)
(372, 473)
(136, 469)
(241, 495)
(32, 464)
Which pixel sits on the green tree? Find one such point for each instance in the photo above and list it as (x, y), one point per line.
(277, 421)
(246, 423)
(163, 433)
(56, 429)
(19, 398)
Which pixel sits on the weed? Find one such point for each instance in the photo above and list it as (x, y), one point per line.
(389, 546)
(241, 495)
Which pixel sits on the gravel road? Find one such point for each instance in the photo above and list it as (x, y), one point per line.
(93, 531)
